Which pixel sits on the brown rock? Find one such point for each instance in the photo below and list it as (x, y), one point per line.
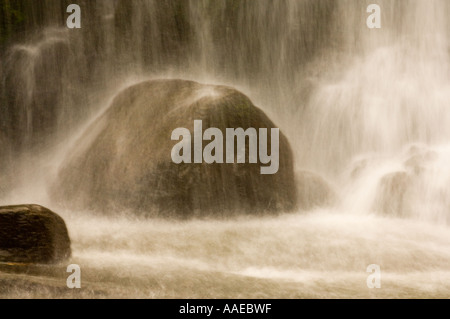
(123, 161)
(313, 191)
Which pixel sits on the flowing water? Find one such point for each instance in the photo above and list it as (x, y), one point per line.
(356, 104)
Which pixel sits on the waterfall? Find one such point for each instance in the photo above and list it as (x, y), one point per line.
(367, 109)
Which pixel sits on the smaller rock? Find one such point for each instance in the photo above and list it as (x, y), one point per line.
(32, 234)
(392, 194)
(313, 191)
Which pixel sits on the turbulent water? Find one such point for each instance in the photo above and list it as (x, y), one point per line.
(356, 105)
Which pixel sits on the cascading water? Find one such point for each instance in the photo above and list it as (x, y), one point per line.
(366, 109)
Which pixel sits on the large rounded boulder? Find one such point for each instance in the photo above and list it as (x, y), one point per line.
(393, 194)
(419, 189)
(32, 234)
(123, 161)
(313, 191)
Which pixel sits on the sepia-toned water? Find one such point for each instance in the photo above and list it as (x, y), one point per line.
(356, 104)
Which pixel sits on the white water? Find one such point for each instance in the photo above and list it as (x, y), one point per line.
(348, 99)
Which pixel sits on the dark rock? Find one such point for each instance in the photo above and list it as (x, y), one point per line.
(32, 234)
(123, 161)
(313, 191)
